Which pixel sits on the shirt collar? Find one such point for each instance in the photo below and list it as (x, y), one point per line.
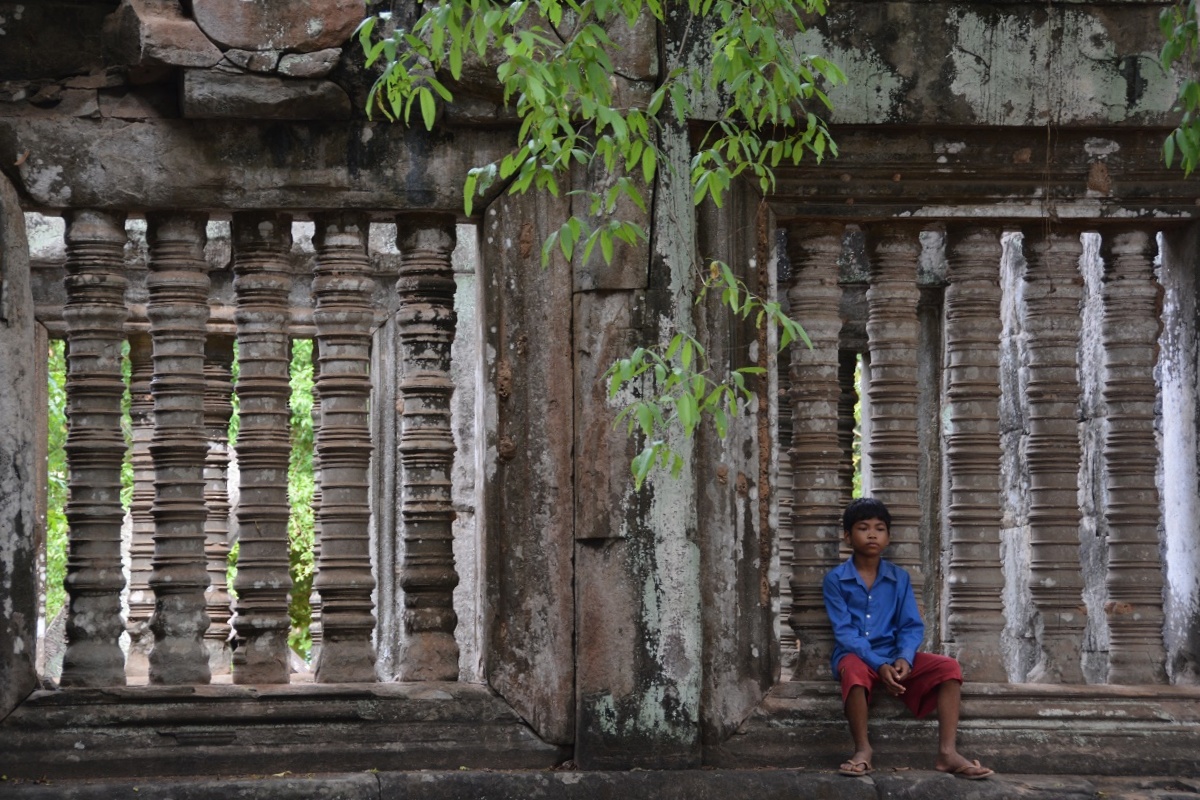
(847, 572)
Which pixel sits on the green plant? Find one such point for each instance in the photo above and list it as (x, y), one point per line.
(1182, 46)
(555, 69)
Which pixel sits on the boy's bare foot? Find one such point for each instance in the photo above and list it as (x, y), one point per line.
(857, 765)
(960, 767)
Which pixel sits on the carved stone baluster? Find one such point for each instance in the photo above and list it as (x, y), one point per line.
(314, 597)
(1132, 302)
(892, 334)
(847, 400)
(218, 408)
(1052, 292)
(343, 316)
(95, 316)
(262, 279)
(141, 546)
(783, 497)
(178, 311)
(974, 611)
(814, 297)
(426, 322)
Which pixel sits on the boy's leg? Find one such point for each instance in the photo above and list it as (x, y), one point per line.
(857, 678)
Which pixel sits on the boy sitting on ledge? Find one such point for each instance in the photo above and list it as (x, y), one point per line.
(877, 630)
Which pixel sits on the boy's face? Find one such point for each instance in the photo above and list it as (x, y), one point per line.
(868, 537)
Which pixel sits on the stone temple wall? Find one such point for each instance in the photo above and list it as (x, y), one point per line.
(997, 239)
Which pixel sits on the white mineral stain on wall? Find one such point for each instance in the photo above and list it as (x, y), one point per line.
(1180, 499)
(1010, 74)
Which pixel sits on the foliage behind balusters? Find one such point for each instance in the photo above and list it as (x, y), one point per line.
(300, 496)
(57, 480)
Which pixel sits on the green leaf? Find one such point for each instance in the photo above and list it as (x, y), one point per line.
(428, 109)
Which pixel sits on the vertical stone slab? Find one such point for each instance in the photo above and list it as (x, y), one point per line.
(975, 584)
(218, 408)
(262, 279)
(141, 543)
(315, 632)
(1131, 327)
(893, 331)
(178, 311)
(639, 590)
(732, 478)
(426, 324)
(815, 451)
(1052, 293)
(19, 420)
(95, 316)
(528, 467)
(342, 288)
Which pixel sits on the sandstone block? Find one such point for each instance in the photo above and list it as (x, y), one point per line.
(310, 65)
(278, 24)
(145, 32)
(253, 60)
(212, 95)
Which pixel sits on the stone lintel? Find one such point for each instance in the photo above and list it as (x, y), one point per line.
(201, 164)
(1014, 728)
(145, 731)
(1014, 173)
(216, 94)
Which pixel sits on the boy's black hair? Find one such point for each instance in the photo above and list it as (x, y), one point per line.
(865, 508)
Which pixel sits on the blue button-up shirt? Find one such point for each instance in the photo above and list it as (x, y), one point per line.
(880, 624)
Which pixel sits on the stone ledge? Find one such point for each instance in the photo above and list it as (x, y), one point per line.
(561, 785)
(204, 730)
(1100, 730)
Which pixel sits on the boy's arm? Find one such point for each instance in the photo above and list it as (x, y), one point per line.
(910, 629)
(844, 630)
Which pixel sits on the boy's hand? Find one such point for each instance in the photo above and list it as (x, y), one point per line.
(889, 676)
(903, 669)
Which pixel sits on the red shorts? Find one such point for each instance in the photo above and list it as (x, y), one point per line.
(929, 671)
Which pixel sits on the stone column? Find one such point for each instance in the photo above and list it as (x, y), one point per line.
(813, 298)
(262, 279)
(892, 335)
(178, 311)
(1052, 294)
(426, 323)
(95, 316)
(975, 580)
(343, 315)
(1131, 327)
(783, 498)
(141, 543)
(218, 408)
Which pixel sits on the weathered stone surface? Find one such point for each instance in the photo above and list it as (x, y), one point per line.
(960, 64)
(50, 39)
(18, 521)
(153, 32)
(255, 60)
(309, 65)
(263, 730)
(202, 164)
(529, 463)
(280, 25)
(216, 95)
(1013, 728)
(733, 483)
(145, 103)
